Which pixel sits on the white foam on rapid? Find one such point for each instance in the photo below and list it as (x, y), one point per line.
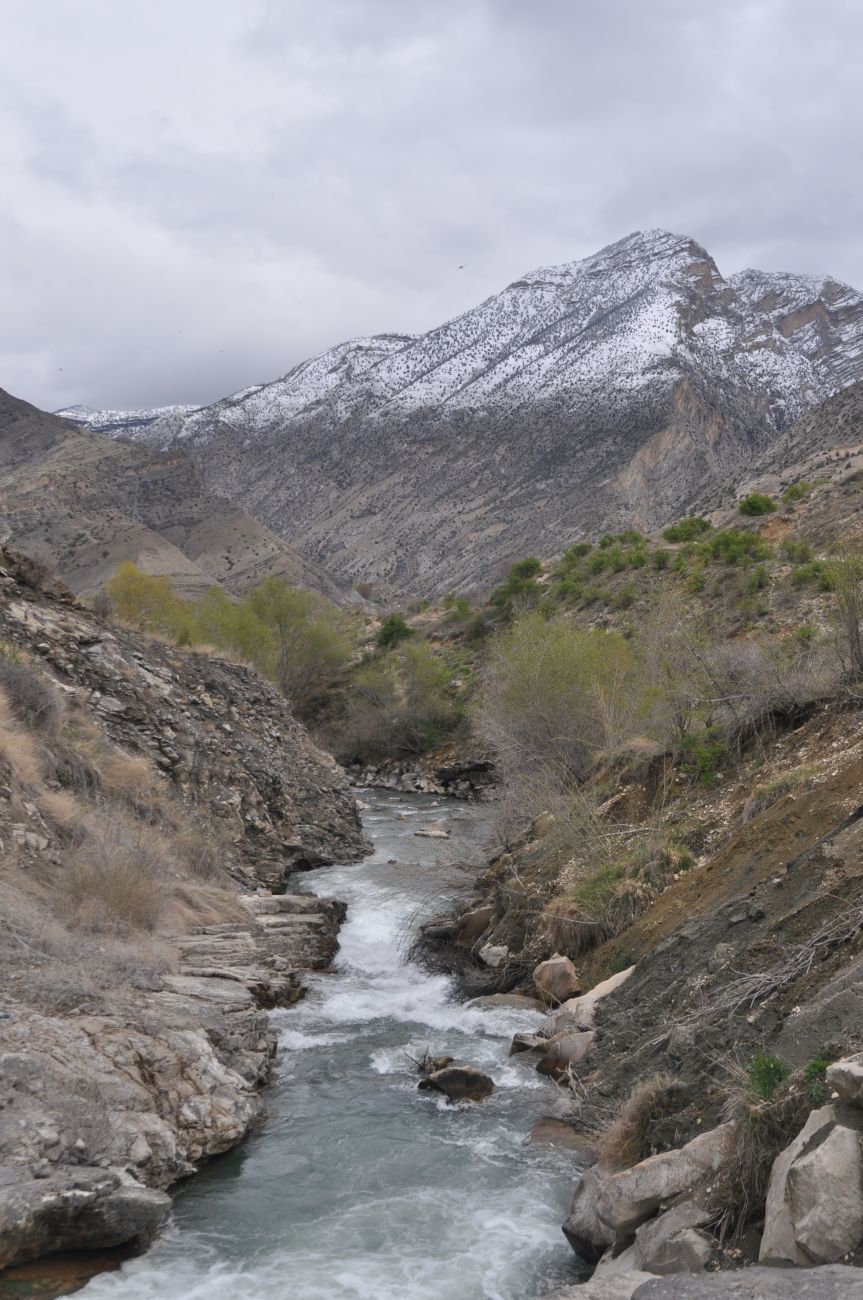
(361, 1187)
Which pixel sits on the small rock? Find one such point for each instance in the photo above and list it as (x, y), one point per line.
(494, 955)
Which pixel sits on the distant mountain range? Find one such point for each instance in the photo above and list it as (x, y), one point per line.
(613, 391)
(82, 503)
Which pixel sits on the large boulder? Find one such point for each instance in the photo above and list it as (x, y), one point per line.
(674, 1242)
(614, 1286)
(507, 1002)
(556, 980)
(565, 1050)
(845, 1077)
(75, 1209)
(608, 1208)
(470, 925)
(459, 1083)
(580, 1013)
(814, 1209)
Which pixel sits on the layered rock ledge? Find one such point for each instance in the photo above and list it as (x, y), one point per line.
(101, 1113)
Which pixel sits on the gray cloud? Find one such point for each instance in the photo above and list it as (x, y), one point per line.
(196, 194)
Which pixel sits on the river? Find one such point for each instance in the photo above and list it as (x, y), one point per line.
(359, 1187)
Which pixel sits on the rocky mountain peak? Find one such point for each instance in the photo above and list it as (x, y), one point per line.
(603, 392)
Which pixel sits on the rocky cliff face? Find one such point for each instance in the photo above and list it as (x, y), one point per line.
(82, 503)
(133, 1048)
(611, 391)
(224, 737)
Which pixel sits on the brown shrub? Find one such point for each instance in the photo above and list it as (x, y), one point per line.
(34, 701)
(763, 1128)
(118, 878)
(624, 1142)
(202, 850)
(17, 750)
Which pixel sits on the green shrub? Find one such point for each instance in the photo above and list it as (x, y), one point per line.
(796, 491)
(520, 587)
(458, 610)
(815, 1078)
(765, 1074)
(659, 559)
(736, 546)
(815, 572)
(757, 503)
(703, 753)
(687, 530)
(757, 580)
(796, 552)
(392, 632)
(575, 553)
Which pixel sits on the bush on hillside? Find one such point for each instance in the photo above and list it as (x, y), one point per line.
(756, 503)
(392, 632)
(556, 696)
(687, 530)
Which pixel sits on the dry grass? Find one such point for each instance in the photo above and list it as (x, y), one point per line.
(33, 699)
(770, 792)
(624, 1142)
(195, 905)
(65, 813)
(203, 850)
(17, 749)
(127, 864)
(56, 967)
(763, 1128)
(599, 900)
(119, 877)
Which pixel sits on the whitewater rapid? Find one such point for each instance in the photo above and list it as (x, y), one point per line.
(359, 1187)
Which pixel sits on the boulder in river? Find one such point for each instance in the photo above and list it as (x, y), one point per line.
(459, 1083)
(433, 831)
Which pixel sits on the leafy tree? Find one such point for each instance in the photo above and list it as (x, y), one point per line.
(555, 695)
(149, 601)
(400, 703)
(308, 637)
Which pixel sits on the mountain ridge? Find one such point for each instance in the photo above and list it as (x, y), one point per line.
(588, 395)
(82, 503)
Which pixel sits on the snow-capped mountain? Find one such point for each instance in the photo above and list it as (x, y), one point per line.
(588, 395)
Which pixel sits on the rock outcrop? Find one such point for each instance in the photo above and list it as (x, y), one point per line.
(101, 1112)
(223, 737)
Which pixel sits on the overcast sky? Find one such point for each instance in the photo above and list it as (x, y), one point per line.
(197, 194)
